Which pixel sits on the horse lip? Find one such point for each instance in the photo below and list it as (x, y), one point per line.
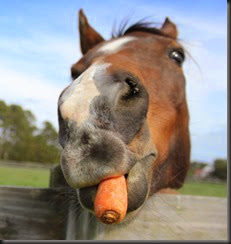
(92, 190)
(151, 154)
(154, 154)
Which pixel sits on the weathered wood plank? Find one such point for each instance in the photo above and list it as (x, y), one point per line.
(46, 214)
(165, 217)
(25, 164)
(32, 214)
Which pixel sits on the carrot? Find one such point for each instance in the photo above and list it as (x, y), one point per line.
(111, 200)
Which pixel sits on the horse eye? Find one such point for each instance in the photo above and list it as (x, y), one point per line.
(177, 56)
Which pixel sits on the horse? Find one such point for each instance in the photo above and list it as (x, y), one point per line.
(125, 113)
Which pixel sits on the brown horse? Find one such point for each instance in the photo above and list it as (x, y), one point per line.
(125, 113)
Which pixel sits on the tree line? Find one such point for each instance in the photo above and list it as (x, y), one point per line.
(219, 169)
(22, 140)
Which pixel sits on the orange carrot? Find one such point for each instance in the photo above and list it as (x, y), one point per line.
(111, 200)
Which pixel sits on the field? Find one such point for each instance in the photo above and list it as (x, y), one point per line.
(37, 177)
(204, 189)
(18, 176)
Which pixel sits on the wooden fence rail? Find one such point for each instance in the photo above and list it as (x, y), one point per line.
(25, 164)
(45, 214)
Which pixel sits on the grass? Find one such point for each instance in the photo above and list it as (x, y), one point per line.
(204, 189)
(40, 178)
(16, 176)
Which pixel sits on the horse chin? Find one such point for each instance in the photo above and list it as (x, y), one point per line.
(138, 183)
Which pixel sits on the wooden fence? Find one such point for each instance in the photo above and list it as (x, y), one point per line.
(46, 214)
(17, 164)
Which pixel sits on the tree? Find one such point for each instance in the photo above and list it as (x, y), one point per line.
(47, 148)
(220, 169)
(21, 127)
(21, 140)
(194, 165)
(4, 137)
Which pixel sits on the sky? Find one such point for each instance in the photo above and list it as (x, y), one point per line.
(39, 41)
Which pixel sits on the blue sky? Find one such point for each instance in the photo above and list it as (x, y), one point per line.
(39, 42)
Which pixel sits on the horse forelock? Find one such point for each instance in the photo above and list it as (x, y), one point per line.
(139, 26)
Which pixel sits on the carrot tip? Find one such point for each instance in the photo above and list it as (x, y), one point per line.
(109, 217)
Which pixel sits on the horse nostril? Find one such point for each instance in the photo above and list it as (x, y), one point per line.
(133, 87)
(85, 138)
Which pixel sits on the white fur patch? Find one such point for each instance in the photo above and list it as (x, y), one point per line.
(75, 101)
(116, 45)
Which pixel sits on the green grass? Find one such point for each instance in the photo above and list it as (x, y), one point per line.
(16, 176)
(204, 189)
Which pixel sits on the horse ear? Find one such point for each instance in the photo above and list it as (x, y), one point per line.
(88, 36)
(169, 28)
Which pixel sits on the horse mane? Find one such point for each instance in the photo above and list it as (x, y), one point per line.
(140, 26)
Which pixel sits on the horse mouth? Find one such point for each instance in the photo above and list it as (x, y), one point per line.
(137, 186)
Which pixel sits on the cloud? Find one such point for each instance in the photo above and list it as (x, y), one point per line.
(51, 47)
(208, 27)
(211, 145)
(206, 87)
(34, 71)
(34, 93)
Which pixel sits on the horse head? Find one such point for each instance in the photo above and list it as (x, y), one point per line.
(125, 113)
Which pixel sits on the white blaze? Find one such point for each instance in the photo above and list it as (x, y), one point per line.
(75, 101)
(115, 45)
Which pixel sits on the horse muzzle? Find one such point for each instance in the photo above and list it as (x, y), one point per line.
(92, 155)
